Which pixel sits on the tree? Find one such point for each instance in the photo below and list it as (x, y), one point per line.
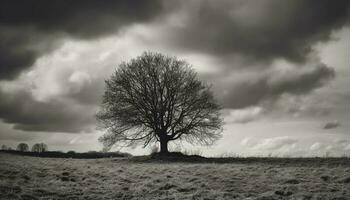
(39, 148)
(4, 147)
(22, 147)
(71, 152)
(157, 98)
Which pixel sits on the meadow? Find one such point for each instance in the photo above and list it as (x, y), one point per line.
(26, 177)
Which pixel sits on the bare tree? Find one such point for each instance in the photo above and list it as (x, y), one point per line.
(4, 147)
(22, 147)
(39, 148)
(158, 98)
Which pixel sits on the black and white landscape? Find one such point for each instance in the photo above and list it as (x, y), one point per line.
(185, 99)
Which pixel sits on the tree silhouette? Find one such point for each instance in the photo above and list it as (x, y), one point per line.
(39, 148)
(158, 98)
(4, 147)
(22, 147)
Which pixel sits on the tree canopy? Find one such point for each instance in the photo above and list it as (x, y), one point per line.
(22, 147)
(4, 147)
(39, 148)
(158, 98)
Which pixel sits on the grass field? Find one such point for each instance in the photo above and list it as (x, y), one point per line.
(24, 177)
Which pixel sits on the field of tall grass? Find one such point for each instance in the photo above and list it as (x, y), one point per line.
(25, 177)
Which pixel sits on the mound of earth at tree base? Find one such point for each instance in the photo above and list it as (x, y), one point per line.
(169, 157)
(176, 156)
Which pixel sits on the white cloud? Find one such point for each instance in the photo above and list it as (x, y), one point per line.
(79, 79)
(244, 115)
(275, 146)
(276, 143)
(248, 142)
(329, 148)
(316, 146)
(347, 148)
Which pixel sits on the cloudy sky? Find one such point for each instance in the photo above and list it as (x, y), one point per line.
(279, 68)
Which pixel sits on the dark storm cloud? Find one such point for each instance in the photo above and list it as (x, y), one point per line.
(82, 18)
(269, 87)
(259, 31)
(247, 35)
(14, 56)
(28, 28)
(331, 125)
(263, 30)
(28, 114)
(19, 48)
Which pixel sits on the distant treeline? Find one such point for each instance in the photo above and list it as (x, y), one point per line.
(70, 154)
(38, 147)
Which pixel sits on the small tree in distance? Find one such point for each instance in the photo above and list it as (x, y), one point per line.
(39, 148)
(156, 98)
(4, 147)
(22, 147)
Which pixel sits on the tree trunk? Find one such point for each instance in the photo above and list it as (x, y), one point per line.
(164, 146)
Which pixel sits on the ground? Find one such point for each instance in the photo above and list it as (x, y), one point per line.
(24, 177)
